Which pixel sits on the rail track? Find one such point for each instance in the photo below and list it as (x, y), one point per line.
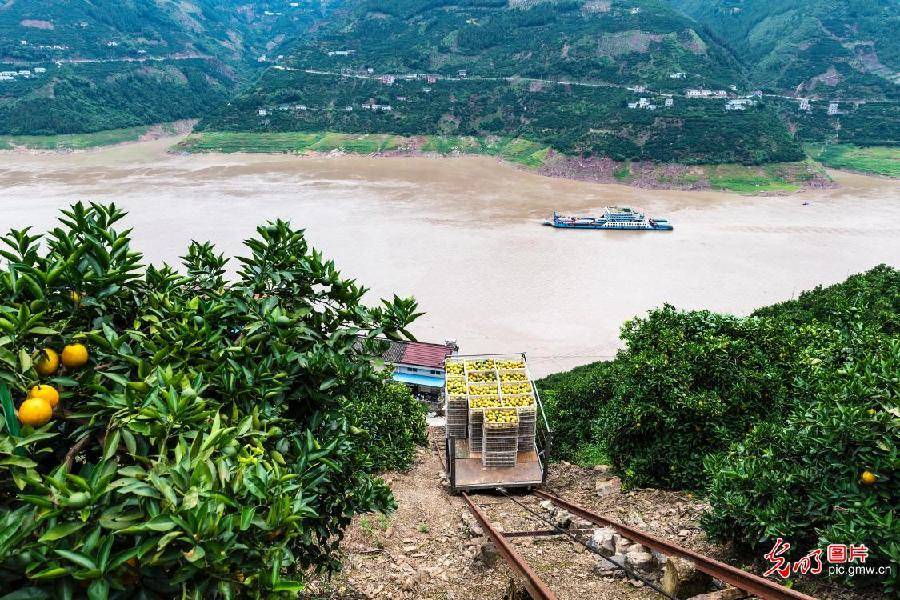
(538, 588)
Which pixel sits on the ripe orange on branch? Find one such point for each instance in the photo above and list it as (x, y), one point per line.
(74, 356)
(45, 392)
(35, 412)
(47, 363)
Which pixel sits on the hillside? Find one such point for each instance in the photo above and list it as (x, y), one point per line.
(627, 42)
(804, 391)
(827, 48)
(85, 66)
(586, 77)
(645, 80)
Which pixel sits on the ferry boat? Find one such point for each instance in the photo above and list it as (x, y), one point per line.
(614, 218)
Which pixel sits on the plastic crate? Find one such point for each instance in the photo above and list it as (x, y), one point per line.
(500, 439)
(457, 411)
(527, 427)
(476, 430)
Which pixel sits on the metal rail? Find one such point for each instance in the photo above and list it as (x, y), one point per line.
(534, 584)
(748, 582)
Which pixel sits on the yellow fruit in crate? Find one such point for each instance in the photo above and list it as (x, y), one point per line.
(35, 412)
(74, 356)
(453, 368)
(47, 363)
(510, 364)
(512, 376)
(47, 393)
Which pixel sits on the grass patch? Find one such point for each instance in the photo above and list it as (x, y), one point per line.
(878, 160)
(290, 143)
(623, 173)
(517, 150)
(742, 179)
(590, 455)
(73, 141)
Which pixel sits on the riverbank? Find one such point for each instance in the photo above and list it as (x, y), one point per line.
(74, 142)
(769, 179)
(754, 180)
(872, 160)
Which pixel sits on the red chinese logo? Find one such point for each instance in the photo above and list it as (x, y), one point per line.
(811, 564)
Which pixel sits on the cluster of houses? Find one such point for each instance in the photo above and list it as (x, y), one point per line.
(23, 73)
(390, 79)
(647, 104)
(368, 105)
(739, 103)
(805, 106)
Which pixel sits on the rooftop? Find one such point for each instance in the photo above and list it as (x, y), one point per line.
(420, 354)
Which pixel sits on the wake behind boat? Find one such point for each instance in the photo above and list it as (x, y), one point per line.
(613, 218)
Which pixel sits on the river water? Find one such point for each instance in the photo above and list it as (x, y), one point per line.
(463, 235)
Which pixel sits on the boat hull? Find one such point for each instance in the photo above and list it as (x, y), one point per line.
(605, 227)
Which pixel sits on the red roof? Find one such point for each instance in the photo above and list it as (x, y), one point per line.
(425, 355)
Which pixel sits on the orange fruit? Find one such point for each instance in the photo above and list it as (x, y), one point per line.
(35, 412)
(74, 356)
(45, 392)
(75, 296)
(47, 363)
(868, 478)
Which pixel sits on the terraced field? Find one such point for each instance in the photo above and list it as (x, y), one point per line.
(515, 150)
(73, 141)
(879, 160)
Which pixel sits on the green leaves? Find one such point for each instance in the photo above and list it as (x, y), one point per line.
(209, 435)
(60, 531)
(775, 416)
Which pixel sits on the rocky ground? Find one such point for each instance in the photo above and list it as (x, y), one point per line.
(432, 547)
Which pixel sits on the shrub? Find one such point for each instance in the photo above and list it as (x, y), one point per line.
(573, 403)
(393, 422)
(776, 416)
(205, 448)
(689, 384)
(871, 299)
(799, 477)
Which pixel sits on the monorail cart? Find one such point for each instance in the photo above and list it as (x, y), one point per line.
(497, 434)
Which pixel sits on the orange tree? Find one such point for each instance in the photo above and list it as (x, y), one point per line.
(205, 448)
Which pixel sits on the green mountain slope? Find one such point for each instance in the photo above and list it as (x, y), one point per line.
(561, 73)
(827, 48)
(625, 41)
(76, 66)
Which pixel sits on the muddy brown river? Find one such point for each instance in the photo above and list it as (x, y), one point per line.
(463, 235)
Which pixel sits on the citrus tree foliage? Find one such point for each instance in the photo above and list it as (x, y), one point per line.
(689, 384)
(780, 417)
(800, 477)
(205, 448)
(394, 424)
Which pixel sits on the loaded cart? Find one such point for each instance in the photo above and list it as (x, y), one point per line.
(496, 434)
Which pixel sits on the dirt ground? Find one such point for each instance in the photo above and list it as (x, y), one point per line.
(432, 548)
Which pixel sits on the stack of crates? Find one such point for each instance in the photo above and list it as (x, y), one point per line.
(476, 429)
(516, 392)
(500, 387)
(500, 442)
(457, 408)
(527, 424)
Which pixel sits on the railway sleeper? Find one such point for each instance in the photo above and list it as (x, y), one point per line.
(619, 556)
